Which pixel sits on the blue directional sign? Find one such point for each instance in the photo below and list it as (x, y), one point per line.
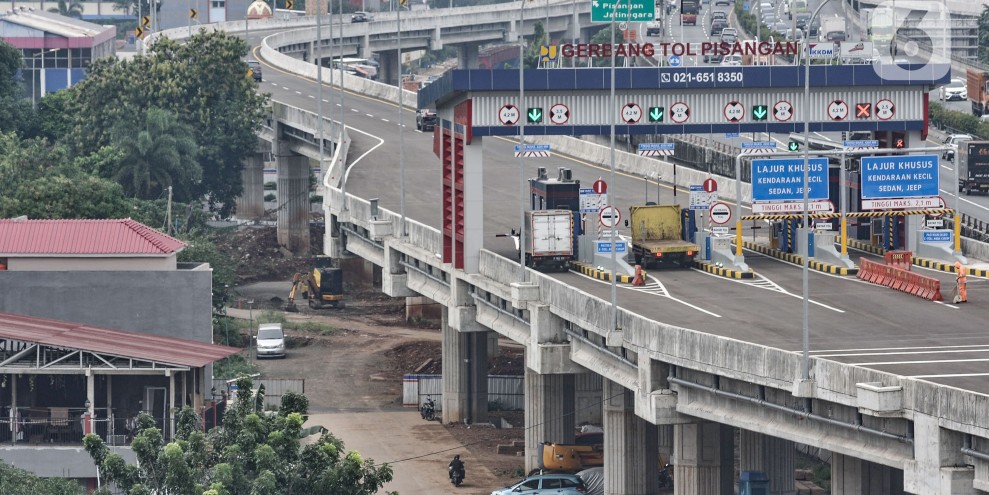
(862, 143)
(532, 147)
(732, 135)
(937, 235)
(782, 179)
(675, 60)
(886, 177)
(604, 247)
(655, 146)
(748, 145)
(746, 6)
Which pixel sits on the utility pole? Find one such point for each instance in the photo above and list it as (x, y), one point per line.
(168, 213)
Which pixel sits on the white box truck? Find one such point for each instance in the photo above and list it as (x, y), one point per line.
(549, 240)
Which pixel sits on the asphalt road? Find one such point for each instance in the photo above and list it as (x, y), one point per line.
(850, 320)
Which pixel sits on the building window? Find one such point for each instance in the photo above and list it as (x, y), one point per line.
(219, 4)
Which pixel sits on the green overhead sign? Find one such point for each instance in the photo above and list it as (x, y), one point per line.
(622, 10)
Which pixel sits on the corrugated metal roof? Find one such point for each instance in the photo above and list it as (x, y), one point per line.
(57, 333)
(50, 22)
(84, 237)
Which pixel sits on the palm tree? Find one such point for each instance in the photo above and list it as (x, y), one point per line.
(158, 152)
(71, 8)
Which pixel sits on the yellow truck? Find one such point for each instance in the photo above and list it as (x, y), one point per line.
(657, 236)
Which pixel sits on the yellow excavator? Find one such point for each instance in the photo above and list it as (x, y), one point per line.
(322, 286)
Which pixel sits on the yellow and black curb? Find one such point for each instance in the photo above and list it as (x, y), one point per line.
(947, 267)
(721, 271)
(865, 246)
(590, 271)
(799, 260)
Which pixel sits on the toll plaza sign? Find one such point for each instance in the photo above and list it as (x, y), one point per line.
(895, 177)
(782, 179)
(622, 10)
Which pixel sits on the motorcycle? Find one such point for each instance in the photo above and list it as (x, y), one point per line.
(456, 476)
(666, 477)
(428, 409)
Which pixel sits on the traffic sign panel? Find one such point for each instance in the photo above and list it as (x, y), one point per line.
(887, 177)
(762, 145)
(620, 10)
(791, 206)
(675, 60)
(610, 216)
(679, 112)
(861, 143)
(590, 201)
(783, 111)
(631, 113)
(759, 112)
(885, 109)
(734, 111)
(701, 199)
(863, 110)
(656, 149)
(600, 186)
(720, 213)
(837, 110)
(559, 114)
(656, 114)
(710, 185)
(509, 115)
(534, 115)
(782, 179)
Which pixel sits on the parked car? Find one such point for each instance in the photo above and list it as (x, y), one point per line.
(270, 340)
(954, 90)
(361, 16)
(557, 484)
(255, 68)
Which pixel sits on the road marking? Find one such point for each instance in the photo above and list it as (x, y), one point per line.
(325, 100)
(354, 110)
(655, 288)
(286, 88)
(966, 346)
(385, 120)
(946, 167)
(907, 353)
(369, 115)
(311, 96)
(952, 194)
(298, 92)
(954, 375)
(932, 361)
(765, 283)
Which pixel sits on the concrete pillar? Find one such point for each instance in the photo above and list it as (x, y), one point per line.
(250, 204)
(587, 397)
(665, 443)
(473, 202)
(293, 202)
(422, 308)
(388, 68)
(630, 445)
(938, 466)
(854, 476)
(770, 455)
(467, 56)
(465, 374)
(549, 413)
(703, 459)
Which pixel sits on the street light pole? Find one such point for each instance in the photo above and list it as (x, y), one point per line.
(805, 364)
(401, 124)
(522, 117)
(343, 113)
(317, 56)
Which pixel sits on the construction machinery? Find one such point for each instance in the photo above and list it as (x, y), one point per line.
(321, 286)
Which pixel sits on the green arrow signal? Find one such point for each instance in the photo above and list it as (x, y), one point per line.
(656, 114)
(793, 146)
(759, 112)
(535, 115)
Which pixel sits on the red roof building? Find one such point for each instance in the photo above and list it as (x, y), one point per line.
(125, 244)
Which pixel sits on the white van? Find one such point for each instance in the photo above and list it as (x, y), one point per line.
(270, 340)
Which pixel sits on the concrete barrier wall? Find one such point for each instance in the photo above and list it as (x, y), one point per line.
(975, 249)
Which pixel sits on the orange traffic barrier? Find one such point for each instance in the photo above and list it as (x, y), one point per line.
(900, 279)
(901, 259)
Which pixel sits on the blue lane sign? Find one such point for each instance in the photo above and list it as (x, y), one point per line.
(937, 235)
(862, 143)
(696, 187)
(745, 6)
(732, 135)
(782, 179)
(532, 147)
(885, 177)
(604, 247)
(655, 146)
(674, 60)
(761, 145)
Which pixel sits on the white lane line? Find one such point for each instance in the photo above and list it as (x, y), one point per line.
(350, 165)
(954, 375)
(932, 361)
(780, 289)
(369, 115)
(952, 194)
(658, 291)
(313, 97)
(354, 110)
(339, 105)
(908, 353)
(385, 120)
(946, 167)
(298, 92)
(966, 346)
(325, 100)
(286, 88)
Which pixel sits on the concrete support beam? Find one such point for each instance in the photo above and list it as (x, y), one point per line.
(422, 308)
(853, 476)
(938, 467)
(548, 350)
(293, 199)
(467, 56)
(665, 443)
(703, 459)
(631, 445)
(250, 204)
(394, 280)
(463, 312)
(465, 374)
(388, 68)
(654, 400)
(549, 413)
(588, 398)
(773, 456)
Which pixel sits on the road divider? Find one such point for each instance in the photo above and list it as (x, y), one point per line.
(897, 277)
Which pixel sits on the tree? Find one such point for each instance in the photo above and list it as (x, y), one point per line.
(158, 152)
(15, 112)
(202, 81)
(251, 453)
(13, 480)
(70, 8)
(984, 35)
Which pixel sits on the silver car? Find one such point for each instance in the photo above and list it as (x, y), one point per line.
(555, 484)
(270, 340)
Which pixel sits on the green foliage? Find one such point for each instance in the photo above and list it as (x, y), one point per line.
(10, 62)
(984, 35)
(250, 454)
(294, 402)
(72, 8)
(13, 480)
(233, 366)
(202, 81)
(963, 122)
(16, 114)
(158, 151)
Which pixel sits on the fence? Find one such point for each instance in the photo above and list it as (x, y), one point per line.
(505, 392)
(274, 388)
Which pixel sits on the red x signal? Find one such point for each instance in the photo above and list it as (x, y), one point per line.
(863, 110)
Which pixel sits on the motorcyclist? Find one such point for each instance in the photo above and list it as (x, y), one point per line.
(457, 466)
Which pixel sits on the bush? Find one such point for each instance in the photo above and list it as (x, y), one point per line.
(232, 367)
(964, 122)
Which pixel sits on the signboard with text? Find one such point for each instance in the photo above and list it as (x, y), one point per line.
(937, 235)
(622, 11)
(782, 179)
(894, 177)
